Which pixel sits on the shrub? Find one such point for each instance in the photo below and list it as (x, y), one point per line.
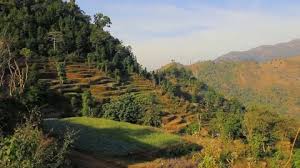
(229, 125)
(213, 158)
(296, 159)
(152, 117)
(137, 109)
(261, 126)
(87, 104)
(125, 108)
(192, 129)
(76, 104)
(256, 144)
(61, 72)
(28, 148)
(35, 95)
(10, 114)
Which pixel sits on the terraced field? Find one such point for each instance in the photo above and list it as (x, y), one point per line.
(81, 77)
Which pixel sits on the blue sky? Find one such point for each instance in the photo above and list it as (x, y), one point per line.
(194, 30)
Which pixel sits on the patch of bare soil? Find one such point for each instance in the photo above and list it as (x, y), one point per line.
(84, 160)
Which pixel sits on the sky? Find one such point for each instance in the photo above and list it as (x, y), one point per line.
(195, 30)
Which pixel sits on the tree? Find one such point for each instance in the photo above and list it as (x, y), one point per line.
(260, 124)
(76, 104)
(17, 74)
(125, 108)
(117, 75)
(229, 125)
(101, 20)
(61, 72)
(56, 37)
(87, 104)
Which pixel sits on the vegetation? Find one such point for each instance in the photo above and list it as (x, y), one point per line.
(297, 159)
(254, 83)
(57, 62)
(61, 72)
(134, 109)
(60, 29)
(113, 138)
(87, 104)
(29, 148)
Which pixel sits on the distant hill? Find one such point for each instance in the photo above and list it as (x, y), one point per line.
(275, 83)
(264, 53)
(171, 65)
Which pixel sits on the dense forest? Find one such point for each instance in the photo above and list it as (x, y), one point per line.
(69, 91)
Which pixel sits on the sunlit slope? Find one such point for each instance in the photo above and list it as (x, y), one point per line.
(81, 77)
(101, 136)
(275, 83)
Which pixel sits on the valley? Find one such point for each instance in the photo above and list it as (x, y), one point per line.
(73, 95)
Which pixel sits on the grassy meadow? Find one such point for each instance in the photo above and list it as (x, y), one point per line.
(111, 137)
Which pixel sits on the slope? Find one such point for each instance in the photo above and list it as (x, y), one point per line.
(81, 77)
(275, 83)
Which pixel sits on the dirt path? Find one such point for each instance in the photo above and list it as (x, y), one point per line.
(82, 160)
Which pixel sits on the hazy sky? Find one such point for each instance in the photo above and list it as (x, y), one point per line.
(193, 30)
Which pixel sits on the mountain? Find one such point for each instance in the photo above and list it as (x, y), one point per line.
(264, 53)
(275, 83)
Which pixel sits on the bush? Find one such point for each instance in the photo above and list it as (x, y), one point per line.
(11, 113)
(213, 158)
(136, 109)
(28, 148)
(192, 129)
(87, 104)
(125, 108)
(229, 125)
(296, 159)
(262, 127)
(35, 95)
(76, 104)
(61, 72)
(152, 118)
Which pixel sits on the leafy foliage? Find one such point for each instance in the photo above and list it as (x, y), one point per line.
(87, 104)
(229, 125)
(262, 127)
(29, 148)
(192, 129)
(61, 29)
(134, 109)
(297, 159)
(61, 72)
(11, 113)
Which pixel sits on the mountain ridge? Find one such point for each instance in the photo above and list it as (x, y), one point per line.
(264, 52)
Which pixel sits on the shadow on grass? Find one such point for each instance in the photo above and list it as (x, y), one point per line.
(127, 144)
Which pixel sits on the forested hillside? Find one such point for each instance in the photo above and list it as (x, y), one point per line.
(274, 83)
(62, 31)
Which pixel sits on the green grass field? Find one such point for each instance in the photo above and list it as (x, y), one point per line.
(106, 137)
